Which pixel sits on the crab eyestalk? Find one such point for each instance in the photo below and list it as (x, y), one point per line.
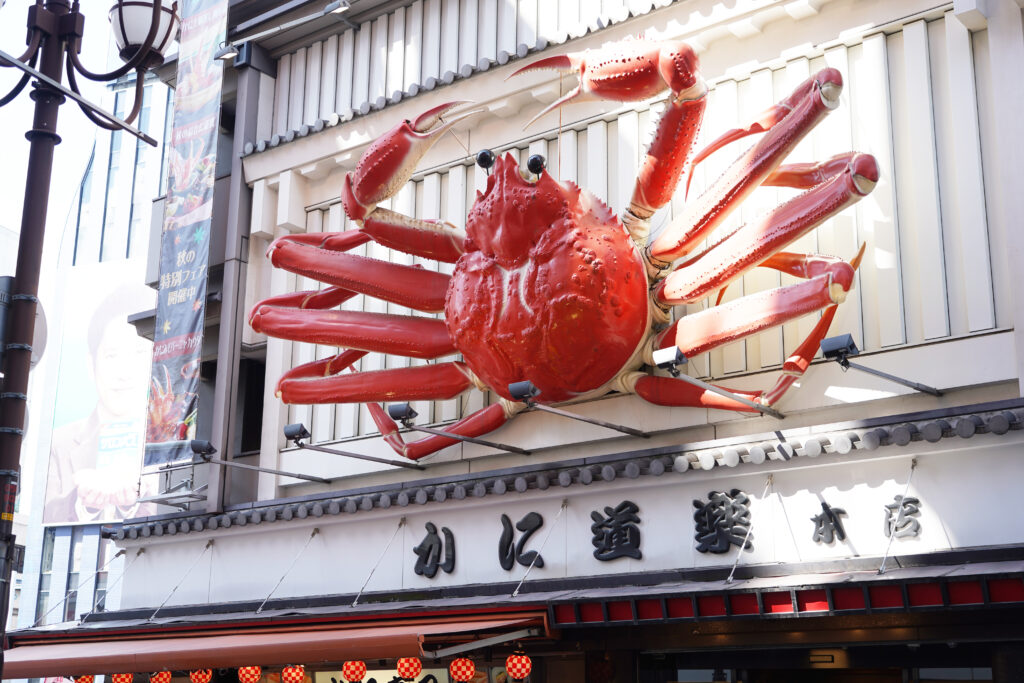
(392, 158)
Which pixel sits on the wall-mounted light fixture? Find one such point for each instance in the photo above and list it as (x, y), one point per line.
(403, 412)
(229, 50)
(840, 349)
(296, 433)
(205, 450)
(525, 392)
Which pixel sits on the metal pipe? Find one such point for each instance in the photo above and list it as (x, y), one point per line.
(360, 456)
(470, 439)
(18, 354)
(767, 410)
(294, 475)
(591, 420)
(916, 386)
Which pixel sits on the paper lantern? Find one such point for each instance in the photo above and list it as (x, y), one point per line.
(295, 673)
(160, 677)
(88, 678)
(121, 678)
(249, 674)
(462, 670)
(518, 666)
(409, 667)
(353, 672)
(200, 675)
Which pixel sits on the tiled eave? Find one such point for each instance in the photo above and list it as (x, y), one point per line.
(748, 452)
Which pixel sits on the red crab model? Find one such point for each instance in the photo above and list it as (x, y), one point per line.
(549, 284)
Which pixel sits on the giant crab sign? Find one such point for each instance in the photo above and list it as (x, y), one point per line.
(549, 284)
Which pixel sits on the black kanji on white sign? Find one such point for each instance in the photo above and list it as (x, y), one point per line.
(429, 552)
(510, 552)
(616, 533)
(722, 521)
(827, 525)
(899, 520)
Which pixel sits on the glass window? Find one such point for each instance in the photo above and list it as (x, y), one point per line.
(109, 250)
(45, 572)
(74, 569)
(139, 190)
(105, 554)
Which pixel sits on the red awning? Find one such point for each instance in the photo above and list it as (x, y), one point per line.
(119, 652)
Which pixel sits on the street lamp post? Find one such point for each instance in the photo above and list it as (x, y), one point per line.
(143, 30)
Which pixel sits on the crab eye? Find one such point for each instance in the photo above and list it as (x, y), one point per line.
(485, 159)
(536, 163)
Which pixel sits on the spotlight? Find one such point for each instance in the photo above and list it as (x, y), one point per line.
(296, 432)
(226, 51)
(839, 348)
(337, 7)
(842, 347)
(202, 448)
(523, 391)
(402, 412)
(668, 358)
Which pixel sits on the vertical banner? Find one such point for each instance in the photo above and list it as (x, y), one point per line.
(185, 241)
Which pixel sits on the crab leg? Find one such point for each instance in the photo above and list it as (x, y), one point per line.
(419, 383)
(406, 335)
(417, 288)
(479, 423)
(749, 245)
(386, 166)
(808, 104)
(668, 391)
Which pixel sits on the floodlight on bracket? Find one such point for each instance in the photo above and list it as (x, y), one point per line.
(671, 357)
(205, 451)
(229, 50)
(526, 392)
(840, 349)
(404, 413)
(297, 432)
(176, 497)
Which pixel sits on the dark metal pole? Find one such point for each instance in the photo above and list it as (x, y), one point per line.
(17, 358)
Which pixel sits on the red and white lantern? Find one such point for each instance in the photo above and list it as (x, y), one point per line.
(160, 677)
(462, 670)
(518, 666)
(200, 675)
(249, 674)
(295, 673)
(353, 672)
(409, 668)
(122, 678)
(87, 678)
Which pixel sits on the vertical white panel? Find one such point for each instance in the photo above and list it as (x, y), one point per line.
(840, 235)
(265, 110)
(329, 78)
(431, 39)
(468, 27)
(723, 109)
(346, 415)
(597, 160)
(378, 59)
(322, 427)
(757, 96)
(508, 15)
(361, 66)
(449, 36)
(547, 19)
(967, 192)
(565, 157)
(487, 36)
(396, 52)
(281, 90)
(429, 203)
(346, 71)
(455, 212)
(297, 89)
(590, 10)
(311, 108)
(628, 155)
(413, 44)
(921, 222)
(526, 24)
(568, 15)
(876, 213)
(301, 352)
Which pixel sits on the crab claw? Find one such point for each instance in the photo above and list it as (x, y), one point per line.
(392, 158)
(625, 72)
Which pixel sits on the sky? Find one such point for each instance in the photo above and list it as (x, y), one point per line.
(75, 130)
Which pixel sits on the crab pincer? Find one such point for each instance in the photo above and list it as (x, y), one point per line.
(391, 159)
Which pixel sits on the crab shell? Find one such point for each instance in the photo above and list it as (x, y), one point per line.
(551, 288)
